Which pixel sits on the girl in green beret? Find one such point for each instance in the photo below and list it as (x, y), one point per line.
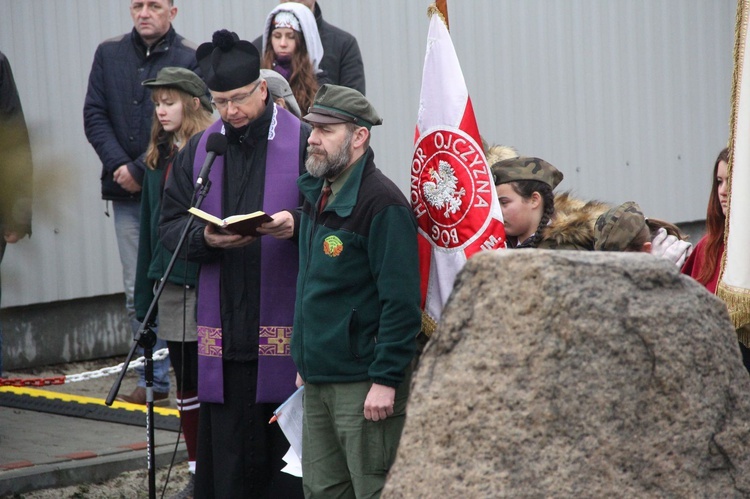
(524, 188)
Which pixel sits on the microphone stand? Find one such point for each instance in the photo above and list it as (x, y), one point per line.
(146, 338)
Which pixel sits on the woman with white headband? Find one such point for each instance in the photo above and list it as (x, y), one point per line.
(292, 47)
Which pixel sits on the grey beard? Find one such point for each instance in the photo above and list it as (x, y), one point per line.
(330, 165)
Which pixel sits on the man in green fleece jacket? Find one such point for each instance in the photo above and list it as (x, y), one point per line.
(357, 312)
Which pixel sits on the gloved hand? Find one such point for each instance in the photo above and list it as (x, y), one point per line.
(670, 247)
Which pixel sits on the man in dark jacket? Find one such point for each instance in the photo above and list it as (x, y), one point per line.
(15, 167)
(357, 312)
(117, 117)
(342, 60)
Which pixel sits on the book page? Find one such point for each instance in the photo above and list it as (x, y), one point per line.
(205, 216)
(237, 218)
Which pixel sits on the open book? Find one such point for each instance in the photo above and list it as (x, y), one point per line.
(244, 225)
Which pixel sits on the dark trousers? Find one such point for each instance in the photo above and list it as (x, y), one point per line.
(184, 359)
(239, 453)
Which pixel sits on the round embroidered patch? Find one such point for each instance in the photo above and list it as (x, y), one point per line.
(332, 246)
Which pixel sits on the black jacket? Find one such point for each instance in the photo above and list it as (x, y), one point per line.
(243, 189)
(342, 60)
(15, 159)
(118, 111)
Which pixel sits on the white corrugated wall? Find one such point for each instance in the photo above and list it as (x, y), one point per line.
(629, 98)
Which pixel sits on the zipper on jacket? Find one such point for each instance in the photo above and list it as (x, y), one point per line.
(311, 236)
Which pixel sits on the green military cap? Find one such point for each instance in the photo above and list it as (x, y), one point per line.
(618, 227)
(181, 79)
(337, 104)
(526, 168)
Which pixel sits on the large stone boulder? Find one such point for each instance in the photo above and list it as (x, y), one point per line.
(577, 374)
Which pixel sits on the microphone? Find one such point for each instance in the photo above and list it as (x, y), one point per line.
(216, 145)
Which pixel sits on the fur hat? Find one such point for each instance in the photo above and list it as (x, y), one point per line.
(496, 153)
(572, 226)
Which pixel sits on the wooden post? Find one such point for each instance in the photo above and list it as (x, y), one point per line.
(442, 6)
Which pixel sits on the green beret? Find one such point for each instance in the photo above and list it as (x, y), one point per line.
(337, 104)
(526, 168)
(618, 227)
(181, 79)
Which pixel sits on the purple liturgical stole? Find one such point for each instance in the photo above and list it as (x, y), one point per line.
(278, 271)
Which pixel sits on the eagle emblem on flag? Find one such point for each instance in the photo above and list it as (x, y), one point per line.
(443, 192)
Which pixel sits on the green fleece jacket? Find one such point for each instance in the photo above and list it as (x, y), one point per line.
(357, 310)
(153, 257)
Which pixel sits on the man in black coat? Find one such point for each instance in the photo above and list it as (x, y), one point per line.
(342, 60)
(117, 118)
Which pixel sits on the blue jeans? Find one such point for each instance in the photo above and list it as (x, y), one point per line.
(127, 228)
(161, 367)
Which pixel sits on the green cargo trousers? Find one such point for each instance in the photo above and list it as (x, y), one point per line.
(343, 454)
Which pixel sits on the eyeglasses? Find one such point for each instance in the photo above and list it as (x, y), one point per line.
(237, 100)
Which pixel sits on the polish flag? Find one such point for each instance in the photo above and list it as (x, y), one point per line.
(734, 281)
(452, 190)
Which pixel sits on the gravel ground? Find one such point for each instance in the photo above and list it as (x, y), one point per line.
(133, 484)
(130, 485)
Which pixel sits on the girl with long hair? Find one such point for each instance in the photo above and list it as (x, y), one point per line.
(705, 262)
(704, 265)
(292, 47)
(181, 109)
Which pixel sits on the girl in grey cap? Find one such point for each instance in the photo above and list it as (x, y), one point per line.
(281, 92)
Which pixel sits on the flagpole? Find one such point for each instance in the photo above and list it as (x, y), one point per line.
(734, 279)
(442, 6)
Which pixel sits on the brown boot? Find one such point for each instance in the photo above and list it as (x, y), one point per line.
(138, 396)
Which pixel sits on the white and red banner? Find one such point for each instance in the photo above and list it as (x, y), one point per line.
(734, 281)
(452, 190)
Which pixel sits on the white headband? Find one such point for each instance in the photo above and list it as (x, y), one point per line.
(286, 19)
